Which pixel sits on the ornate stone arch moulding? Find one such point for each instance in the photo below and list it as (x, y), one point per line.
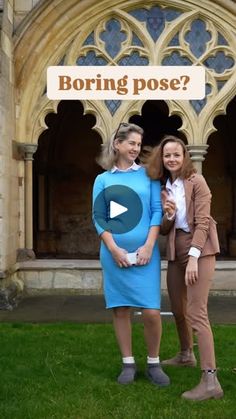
(126, 33)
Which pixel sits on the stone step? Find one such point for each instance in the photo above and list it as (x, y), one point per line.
(85, 276)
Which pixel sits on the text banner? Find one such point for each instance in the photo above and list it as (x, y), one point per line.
(126, 82)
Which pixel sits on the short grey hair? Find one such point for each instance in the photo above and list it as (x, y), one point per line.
(108, 155)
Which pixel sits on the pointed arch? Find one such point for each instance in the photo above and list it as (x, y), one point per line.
(55, 31)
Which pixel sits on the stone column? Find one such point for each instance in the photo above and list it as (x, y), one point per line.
(197, 153)
(27, 151)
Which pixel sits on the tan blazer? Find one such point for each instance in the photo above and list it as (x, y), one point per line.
(202, 226)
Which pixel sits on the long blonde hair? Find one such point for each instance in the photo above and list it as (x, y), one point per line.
(108, 156)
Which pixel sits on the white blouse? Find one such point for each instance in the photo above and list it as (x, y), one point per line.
(176, 192)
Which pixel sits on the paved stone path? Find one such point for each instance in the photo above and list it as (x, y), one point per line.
(91, 309)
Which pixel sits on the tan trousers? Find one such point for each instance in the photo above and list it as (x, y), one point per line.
(189, 304)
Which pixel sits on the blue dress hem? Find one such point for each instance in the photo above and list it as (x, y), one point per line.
(132, 306)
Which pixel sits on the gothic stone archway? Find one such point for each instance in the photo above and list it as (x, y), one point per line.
(64, 171)
(171, 32)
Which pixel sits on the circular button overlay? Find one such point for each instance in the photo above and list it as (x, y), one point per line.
(118, 209)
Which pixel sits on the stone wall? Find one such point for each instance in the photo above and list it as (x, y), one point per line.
(8, 166)
(85, 277)
(22, 8)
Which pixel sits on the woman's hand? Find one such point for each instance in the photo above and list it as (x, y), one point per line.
(144, 254)
(119, 255)
(169, 207)
(191, 273)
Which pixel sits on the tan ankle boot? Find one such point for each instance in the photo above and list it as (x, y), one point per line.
(208, 388)
(183, 359)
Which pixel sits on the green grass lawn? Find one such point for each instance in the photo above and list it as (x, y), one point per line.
(68, 371)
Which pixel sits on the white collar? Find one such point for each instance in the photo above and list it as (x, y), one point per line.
(177, 182)
(134, 167)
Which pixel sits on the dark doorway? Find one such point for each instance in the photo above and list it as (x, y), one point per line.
(156, 122)
(220, 171)
(64, 171)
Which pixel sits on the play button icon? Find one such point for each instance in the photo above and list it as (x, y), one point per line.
(117, 209)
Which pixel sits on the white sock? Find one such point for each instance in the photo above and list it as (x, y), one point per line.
(151, 360)
(210, 371)
(128, 360)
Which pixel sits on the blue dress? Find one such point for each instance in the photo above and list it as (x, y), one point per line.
(135, 286)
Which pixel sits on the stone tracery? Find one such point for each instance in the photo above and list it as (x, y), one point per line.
(134, 33)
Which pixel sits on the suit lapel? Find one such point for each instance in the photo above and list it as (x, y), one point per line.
(188, 187)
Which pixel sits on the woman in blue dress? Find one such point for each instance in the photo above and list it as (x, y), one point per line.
(135, 230)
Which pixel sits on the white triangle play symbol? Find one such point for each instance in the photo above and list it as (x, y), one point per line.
(116, 209)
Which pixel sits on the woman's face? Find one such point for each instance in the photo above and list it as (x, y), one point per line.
(129, 149)
(173, 157)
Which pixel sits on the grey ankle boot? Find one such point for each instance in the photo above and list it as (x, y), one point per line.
(157, 376)
(127, 374)
(182, 359)
(208, 388)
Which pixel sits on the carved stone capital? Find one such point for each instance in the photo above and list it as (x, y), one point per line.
(197, 152)
(27, 150)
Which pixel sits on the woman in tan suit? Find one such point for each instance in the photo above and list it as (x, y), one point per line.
(192, 243)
